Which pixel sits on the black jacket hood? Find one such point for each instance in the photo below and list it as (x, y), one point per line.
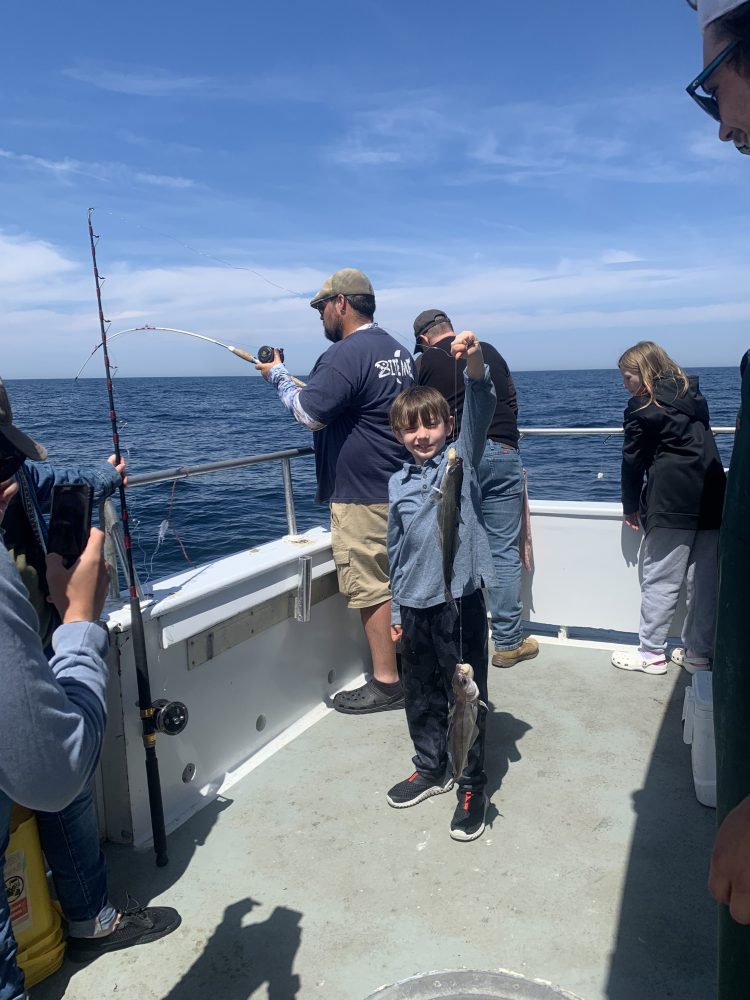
(692, 404)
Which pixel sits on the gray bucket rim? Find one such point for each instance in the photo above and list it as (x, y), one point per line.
(423, 985)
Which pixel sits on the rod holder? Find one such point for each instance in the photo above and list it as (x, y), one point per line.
(303, 600)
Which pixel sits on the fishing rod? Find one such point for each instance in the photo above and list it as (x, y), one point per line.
(148, 710)
(265, 354)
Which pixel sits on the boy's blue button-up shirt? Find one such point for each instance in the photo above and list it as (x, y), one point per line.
(414, 548)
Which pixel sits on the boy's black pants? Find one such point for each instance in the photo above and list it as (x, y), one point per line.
(430, 650)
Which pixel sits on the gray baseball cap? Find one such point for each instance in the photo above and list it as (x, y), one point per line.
(18, 439)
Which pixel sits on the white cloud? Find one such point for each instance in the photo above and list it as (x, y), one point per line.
(110, 172)
(139, 83)
(620, 257)
(49, 326)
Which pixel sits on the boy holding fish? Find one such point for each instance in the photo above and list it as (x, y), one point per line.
(439, 558)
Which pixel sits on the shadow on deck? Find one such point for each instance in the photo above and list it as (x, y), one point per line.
(304, 884)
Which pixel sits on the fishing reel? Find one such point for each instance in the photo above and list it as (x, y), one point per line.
(170, 717)
(266, 354)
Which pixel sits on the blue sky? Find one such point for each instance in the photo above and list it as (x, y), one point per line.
(536, 170)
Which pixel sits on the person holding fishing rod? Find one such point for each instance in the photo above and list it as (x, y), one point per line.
(52, 714)
(69, 837)
(440, 559)
(722, 90)
(345, 404)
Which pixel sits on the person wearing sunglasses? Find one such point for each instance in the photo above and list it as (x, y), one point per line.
(722, 90)
(346, 404)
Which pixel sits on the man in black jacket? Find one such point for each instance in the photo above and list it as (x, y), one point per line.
(501, 476)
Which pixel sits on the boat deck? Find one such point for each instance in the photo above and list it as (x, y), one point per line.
(303, 883)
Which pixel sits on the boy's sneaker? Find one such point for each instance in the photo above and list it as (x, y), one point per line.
(636, 659)
(468, 819)
(138, 925)
(687, 659)
(416, 789)
(528, 649)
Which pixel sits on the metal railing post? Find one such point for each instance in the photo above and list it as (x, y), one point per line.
(291, 516)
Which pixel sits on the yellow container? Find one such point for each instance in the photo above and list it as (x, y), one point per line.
(37, 927)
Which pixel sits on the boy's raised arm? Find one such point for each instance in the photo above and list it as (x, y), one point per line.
(466, 345)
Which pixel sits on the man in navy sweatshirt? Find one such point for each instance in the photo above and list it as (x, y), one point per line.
(346, 404)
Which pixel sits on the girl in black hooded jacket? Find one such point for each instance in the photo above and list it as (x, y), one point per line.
(673, 486)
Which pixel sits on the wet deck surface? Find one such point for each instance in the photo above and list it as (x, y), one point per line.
(303, 883)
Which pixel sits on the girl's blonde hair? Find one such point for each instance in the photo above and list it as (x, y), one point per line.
(650, 362)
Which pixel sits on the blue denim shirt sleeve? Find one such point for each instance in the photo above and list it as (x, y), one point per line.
(395, 534)
(479, 408)
(103, 478)
(414, 549)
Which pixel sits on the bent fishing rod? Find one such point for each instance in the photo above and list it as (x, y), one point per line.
(147, 709)
(265, 354)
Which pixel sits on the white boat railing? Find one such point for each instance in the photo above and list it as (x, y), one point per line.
(606, 431)
(115, 549)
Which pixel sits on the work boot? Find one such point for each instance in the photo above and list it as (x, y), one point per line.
(507, 657)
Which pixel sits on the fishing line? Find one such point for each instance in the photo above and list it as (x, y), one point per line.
(220, 260)
(237, 351)
(202, 253)
(165, 526)
(455, 426)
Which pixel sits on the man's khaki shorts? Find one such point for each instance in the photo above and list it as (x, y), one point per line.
(358, 540)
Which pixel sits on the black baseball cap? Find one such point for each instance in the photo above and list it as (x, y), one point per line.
(428, 319)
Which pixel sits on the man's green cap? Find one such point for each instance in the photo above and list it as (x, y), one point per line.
(347, 281)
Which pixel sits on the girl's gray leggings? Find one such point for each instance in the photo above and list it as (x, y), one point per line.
(672, 555)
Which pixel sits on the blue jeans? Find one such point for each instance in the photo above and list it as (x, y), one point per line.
(70, 841)
(11, 977)
(502, 485)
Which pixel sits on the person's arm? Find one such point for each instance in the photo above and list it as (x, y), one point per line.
(103, 478)
(52, 715)
(479, 400)
(634, 463)
(729, 877)
(8, 490)
(512, 394)
(393, 544)
(289, 394)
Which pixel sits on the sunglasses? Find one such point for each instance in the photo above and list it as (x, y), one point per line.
(320, 306)
(707, 101)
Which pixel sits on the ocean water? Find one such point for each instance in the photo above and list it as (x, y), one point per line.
(168, 422)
